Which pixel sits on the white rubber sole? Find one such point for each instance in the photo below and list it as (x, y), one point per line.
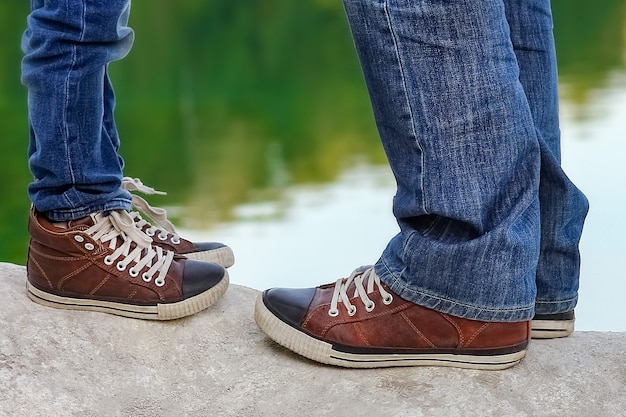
(320, 351)
(222, 256)
(551, 329)
(169, 311)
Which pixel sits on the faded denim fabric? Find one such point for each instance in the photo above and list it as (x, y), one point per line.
(73, 151)
(465, 98)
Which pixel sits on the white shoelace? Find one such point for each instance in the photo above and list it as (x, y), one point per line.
(360, 277)
(157, 214)
(130, 244)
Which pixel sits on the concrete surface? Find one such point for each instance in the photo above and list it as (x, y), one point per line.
(217, 363)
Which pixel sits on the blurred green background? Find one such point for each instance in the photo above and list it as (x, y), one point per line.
(223, 103)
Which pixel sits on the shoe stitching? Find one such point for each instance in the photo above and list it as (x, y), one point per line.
(41, 270)
(458, 329)
(59, 258)
(414, 327)
(56, 258)
(73, 273)
(132, 294)
(476, 333)
(360, 333)
(97, 287)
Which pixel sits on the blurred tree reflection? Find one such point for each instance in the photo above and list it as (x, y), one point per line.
(590, 39)
(242, 97)
(13, 135)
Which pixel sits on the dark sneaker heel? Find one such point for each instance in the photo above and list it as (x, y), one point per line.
(552, 326)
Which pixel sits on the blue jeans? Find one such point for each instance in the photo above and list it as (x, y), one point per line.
(73, 151)
(465, 98)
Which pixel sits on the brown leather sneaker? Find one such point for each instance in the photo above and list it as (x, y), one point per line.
(164, 234)
(105, 263)
(552, 326)
(358, 322)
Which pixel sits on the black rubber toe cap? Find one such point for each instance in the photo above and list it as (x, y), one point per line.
(207, 246)
(200, 276)
(289, 305)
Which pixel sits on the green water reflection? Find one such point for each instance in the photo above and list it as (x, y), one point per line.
(222, 103)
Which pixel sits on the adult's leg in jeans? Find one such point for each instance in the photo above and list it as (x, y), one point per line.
(73, 152)
(563, 207)
(459, 134)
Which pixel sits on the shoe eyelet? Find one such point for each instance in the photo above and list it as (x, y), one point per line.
(370, 307)
(159, 282)
(175, 240)
(108, 260)
(146, 277)
(120, 266)
(352, 311)
(89, 246)
(162, 236)
(333, 313)
(79, 238)
(150, 232)
(133, 272)
(388, 300)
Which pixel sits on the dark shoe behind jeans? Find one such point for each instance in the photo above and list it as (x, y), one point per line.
(551, 326)
(105, 263)
(359, 322)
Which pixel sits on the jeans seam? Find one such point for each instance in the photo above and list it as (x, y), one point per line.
(67, 95)
(408, 102)
(569, 300)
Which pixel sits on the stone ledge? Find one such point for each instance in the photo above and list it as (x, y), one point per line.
(217, 363)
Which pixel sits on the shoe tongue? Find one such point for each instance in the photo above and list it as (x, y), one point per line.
(82, 223)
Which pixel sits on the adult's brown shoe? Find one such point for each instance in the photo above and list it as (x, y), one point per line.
(358, 322)
(164, 233)
(105, 263)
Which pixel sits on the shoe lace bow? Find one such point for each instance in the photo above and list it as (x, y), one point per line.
(157, 214)
(129, 245)
(361, 278)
